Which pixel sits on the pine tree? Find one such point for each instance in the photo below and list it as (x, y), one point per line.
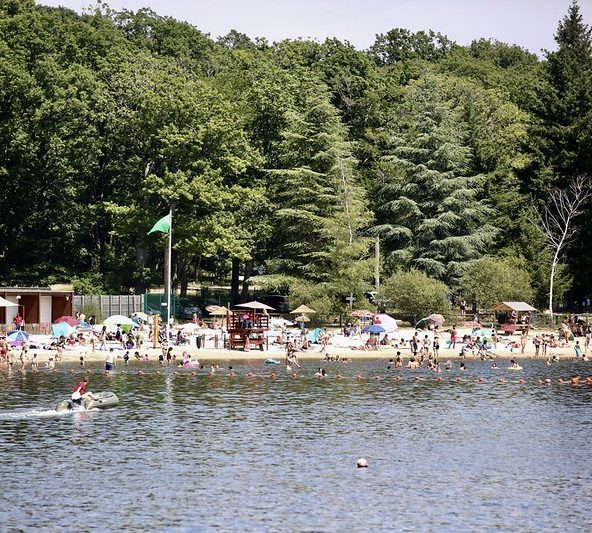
(430, 210)
(320, 209)
(569, 109)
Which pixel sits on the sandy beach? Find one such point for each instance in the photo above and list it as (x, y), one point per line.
(275, 351)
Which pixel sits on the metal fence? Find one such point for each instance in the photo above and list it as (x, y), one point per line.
(107, 305)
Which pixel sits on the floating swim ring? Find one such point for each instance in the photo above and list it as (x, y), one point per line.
(272, 362)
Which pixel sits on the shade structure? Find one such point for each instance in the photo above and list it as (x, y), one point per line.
(373, 328)
(17, 337)
(471, 324)
(62, 329)
(218, 310)
(118, 320)
(362, 313)
(279, 322)
(387, 322)
(5, 303)
(256, 305)
(303, 310)
(514, 306)
(302, 318)
(70, 320)
(438, 319)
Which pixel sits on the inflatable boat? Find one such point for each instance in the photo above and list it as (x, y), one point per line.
(101, 400)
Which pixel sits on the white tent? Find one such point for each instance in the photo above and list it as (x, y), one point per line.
(388, 323)
(6, 303)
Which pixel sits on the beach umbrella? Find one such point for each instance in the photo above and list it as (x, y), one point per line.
(302, 318)
(373, 328)
(362, 313)
(279, 322)
(70, 320)
(256, 305)
(62, 328)
(470, 325)
(303, 310)
(118, 320)
(17, 337)
(438, 319)
(84, 326)
(218, 310)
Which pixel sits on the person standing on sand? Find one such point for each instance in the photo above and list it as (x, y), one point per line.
(523, 339)
(452, 338)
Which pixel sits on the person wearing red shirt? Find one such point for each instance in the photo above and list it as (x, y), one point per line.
(79, 392)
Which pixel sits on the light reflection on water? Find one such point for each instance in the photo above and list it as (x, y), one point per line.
(245, 453)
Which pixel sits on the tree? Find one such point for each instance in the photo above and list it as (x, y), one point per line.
(569, 110)
(558, 221)
(415, 293)
(431, 214)
(491, 280)
(400, 44)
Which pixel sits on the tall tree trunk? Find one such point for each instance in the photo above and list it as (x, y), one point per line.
(245, 289)
(141, 254)
(234, 284)
(183, 277)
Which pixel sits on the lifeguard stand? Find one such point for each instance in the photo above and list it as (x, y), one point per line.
(254, 328)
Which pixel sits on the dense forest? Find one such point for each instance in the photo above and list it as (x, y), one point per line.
(285, 163)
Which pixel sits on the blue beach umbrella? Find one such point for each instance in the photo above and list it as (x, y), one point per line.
(84, 326)
(17, 337)
(62, 329)
(373, 328)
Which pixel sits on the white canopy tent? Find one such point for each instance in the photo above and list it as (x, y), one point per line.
(5, 303)
(388, 323)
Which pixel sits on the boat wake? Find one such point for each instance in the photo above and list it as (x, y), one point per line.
(23, 414)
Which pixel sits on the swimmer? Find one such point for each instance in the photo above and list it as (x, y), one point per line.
(462, 367)
(412, 364)
(494, 366)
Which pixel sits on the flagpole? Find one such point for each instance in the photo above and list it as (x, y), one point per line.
(169, 254)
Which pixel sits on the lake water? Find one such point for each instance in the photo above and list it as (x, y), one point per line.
(221, 453)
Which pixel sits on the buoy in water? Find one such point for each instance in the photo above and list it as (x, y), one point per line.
(362, 463)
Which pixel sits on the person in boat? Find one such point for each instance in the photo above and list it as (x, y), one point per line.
(79, 392)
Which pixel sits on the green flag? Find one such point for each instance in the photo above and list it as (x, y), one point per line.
(164, 225)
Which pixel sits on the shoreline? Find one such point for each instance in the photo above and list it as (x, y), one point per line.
(278, 353)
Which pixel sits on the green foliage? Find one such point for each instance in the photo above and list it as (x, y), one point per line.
(291, 156)
(88, 284)
(489, 281)
(415, 293)
(431, 214)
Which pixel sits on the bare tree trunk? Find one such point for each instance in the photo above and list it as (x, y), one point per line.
(551, 283)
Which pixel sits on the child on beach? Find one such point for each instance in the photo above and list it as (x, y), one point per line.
(578, 350)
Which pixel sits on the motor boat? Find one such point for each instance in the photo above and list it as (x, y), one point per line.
(101, 400)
